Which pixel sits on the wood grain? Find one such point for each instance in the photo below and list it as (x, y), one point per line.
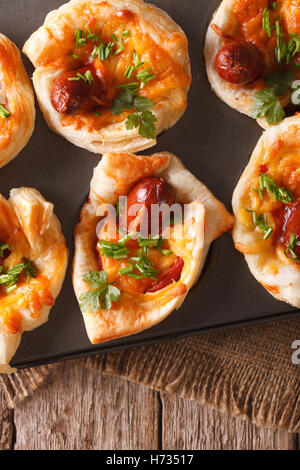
(81, 409)
(187, 425)
(6, 424)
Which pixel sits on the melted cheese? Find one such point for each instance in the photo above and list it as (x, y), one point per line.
(30, 297)
(170, 75)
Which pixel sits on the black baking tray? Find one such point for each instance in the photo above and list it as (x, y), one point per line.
(214, 142)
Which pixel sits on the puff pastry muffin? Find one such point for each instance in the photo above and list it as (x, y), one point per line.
(266, 203)
(110, 75)
(127, 279)
(33, 257)
(252, 54)
(17, 110)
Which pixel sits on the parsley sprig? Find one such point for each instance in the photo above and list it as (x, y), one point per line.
(101, 294)
(266, 102)
(11, 278)
(262, 222)
(142, 117)
(290, 250)
(279, 193)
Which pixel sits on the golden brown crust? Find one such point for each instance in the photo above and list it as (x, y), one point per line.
(29, 226)
(16, 95)
(159, 41)
(205, 218)
(278, 150)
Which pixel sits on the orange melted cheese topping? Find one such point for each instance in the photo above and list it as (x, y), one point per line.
(169, 74)
(128, 284)
(281, 163)
(249, 14)
(31, 296)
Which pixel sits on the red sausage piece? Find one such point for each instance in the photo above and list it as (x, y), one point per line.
(239, 63)
(147, 191)
(168, 276)
(71, 94)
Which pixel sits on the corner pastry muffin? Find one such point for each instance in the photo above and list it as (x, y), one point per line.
(110, 75)
(266, 203)
(133, 266)
(252, 56)
(34, 258)
(17, 110)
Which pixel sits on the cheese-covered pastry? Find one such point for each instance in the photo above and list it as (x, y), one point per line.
(132, 271)
(33, 258)
(17, 110)
(266, 203)
(252, 54)
(110, 75)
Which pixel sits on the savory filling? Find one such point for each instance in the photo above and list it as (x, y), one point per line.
(274, 212)
(138, 260)
(115, 73)
(264, 55)
(4, 113)
(20, 288)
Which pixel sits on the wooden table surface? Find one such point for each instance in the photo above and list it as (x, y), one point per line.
(81, 409)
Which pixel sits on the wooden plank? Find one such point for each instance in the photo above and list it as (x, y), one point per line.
(6, 424)
(188, 426)
(81, 409)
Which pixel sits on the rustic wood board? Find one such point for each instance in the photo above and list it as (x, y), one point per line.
(80, 409)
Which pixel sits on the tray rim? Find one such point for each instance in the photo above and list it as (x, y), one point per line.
(109, 347)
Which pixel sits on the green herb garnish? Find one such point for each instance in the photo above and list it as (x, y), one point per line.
(262, 222)
(11, 277)
(279, 193)
(266, 22)
(102, 293)
(142, 117)
(290, 250)
(4, 113)
(112, 249)
(166, 252)
(3, 247)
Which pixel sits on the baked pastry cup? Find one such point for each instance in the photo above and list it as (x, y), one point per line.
(97, 62)
(267, 209)
(17, 110)
(149, 277)
(33, 264)
(250, 55)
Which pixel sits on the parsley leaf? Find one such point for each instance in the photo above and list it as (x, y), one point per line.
(147, 125)
(142, 118)
(132, 121)
(266, 104)
(124, 102)
(280, 81)
(143, 104)
(103, 294)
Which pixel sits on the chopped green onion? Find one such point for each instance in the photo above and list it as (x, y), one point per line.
(88, 75)
(167, 252)
(4, 113)
(262, 222)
